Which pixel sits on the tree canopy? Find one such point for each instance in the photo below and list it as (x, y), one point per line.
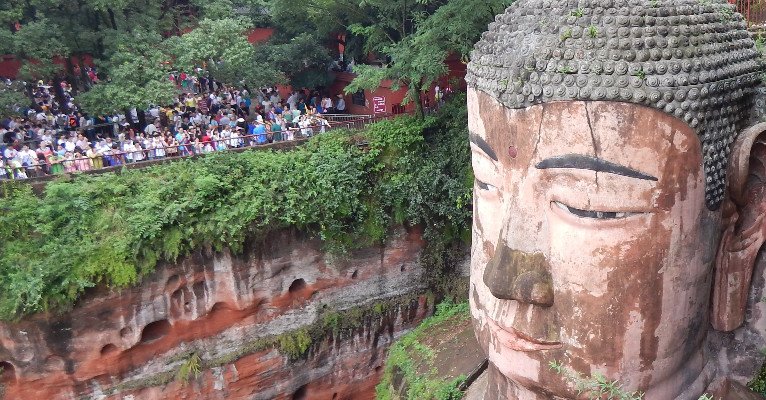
(403, 41)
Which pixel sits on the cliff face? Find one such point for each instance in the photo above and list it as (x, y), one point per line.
(220, 326)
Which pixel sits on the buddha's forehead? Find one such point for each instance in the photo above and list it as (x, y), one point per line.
(638, 137)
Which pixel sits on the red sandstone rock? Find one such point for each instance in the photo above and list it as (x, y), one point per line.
(214, 304)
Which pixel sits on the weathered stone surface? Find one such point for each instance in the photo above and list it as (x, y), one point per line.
(620, 198)
(691, 59)
(114, 345)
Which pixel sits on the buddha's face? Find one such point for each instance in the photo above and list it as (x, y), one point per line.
(592, 245)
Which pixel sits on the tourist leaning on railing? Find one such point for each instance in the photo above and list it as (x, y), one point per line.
(46, 147)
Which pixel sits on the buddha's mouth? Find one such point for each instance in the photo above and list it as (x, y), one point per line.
(519, 341)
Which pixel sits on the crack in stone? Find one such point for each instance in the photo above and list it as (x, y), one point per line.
(596, 148)
(539, 130)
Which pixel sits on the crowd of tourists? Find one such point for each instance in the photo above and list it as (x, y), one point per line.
(206, 117)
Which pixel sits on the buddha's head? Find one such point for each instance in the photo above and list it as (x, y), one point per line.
(615, 191)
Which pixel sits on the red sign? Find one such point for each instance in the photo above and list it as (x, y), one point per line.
(379, 105)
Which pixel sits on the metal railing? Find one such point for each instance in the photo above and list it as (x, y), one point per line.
(119, 157)
(344, 117)
(754, 11)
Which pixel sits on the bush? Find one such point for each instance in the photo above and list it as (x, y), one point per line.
(401, 356)
(346, 188)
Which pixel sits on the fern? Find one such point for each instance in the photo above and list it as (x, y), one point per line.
(191, 368)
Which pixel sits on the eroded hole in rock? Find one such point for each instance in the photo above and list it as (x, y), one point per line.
(297, 285)
(125, 332)
(334, 396)
(199, 289)
(300, 394)
(108, 349)
(220, 306)
(402, 268)
(224, 310)
(355, 274)
(54, 363)
(155, 331)
(172, 281)
(9, 372)
(378, 368)
(176, 302)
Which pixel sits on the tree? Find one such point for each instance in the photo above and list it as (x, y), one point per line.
(221, 47)
(138, 73)
(36, 44)
(12, 99)
(417, 41)
(305, 63)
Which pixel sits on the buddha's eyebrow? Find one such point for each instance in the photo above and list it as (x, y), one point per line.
(578, 161)
(483, 145)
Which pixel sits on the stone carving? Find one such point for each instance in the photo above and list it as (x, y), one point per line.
(692, 59)
(603, 135)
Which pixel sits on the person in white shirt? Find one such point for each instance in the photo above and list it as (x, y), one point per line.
(159, 147)
(293, 100)
(323, 125)
(70, 145)
(235, 140)
(225, 135)
(326, 104)
(154, 112)
(3, 171)
(151, 129)
(128, 148)
(138, 152)
(81, 142)
(340, 106)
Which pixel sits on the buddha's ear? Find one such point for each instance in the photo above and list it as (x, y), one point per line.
(744, 228)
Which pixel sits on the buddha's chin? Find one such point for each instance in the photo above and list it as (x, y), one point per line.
(528, 370)
(515, 385)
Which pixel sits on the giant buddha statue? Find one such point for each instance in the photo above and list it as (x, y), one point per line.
(619, 196)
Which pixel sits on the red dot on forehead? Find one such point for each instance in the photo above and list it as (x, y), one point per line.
(512, 151)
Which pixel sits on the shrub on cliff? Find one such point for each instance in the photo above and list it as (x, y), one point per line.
(344, 187)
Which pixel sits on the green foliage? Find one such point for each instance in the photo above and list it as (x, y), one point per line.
(191, 368)
(331, 324)
(12, 99)
(566, 35)
(112, 229)
(595, 387)
(138, 72)
(221, 45)
(295, 345)
(301, 58)
(418, 38)
(592, 31)
(758, 384)
(421, 386)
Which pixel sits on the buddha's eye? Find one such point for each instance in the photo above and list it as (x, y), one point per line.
(593, 214)
(485, 186)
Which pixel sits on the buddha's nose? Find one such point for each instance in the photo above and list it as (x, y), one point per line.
(516, 275)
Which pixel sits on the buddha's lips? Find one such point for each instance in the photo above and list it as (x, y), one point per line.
(518, 341)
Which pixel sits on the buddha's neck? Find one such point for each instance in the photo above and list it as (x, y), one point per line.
(687, 383)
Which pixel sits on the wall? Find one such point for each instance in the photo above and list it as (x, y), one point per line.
(226, 309)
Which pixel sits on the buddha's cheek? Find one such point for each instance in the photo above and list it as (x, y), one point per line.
(606, 281)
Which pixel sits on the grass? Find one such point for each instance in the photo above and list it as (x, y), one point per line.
(402, 355)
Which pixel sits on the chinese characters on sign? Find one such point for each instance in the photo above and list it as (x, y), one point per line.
(379, 105)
